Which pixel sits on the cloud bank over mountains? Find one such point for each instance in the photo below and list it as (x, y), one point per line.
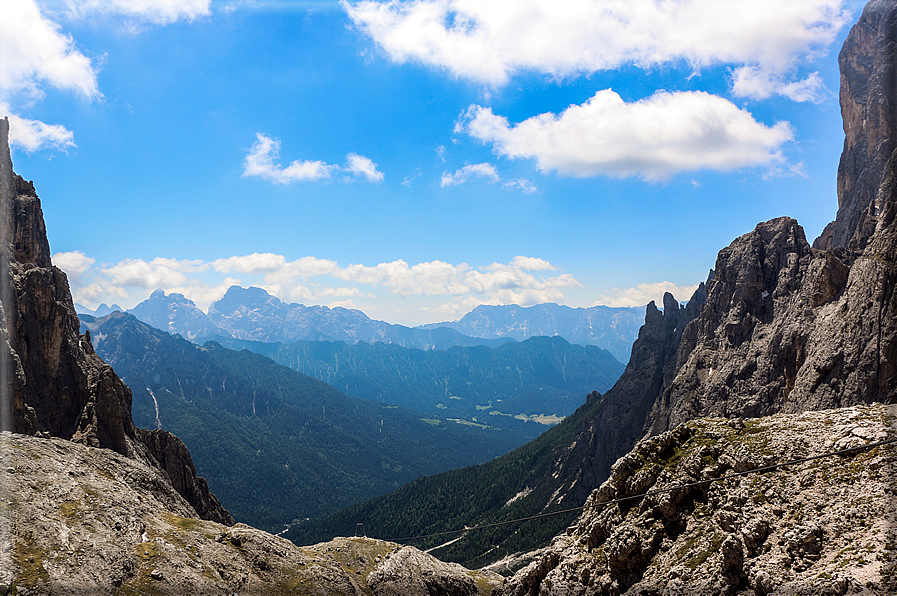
(436, 287)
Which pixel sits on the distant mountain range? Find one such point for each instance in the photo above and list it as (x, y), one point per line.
(253, 314)
(274, 444)
(613, 329)
(101, 311)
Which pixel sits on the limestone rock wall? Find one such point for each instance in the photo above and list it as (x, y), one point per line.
(601, 440)
(57, 385)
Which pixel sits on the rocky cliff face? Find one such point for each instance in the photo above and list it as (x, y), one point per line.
(869, 108)
(601, 440)
(819, 527)
(58, 386)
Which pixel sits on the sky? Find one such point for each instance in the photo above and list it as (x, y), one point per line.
(417, 159)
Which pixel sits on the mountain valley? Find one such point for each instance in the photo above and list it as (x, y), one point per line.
(747, 448)
(274, 444)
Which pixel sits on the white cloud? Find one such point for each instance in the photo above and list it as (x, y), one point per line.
(501, 283)
(318, 293)
(521, 184)
(465, 174)
(260, 162)
(32, 135)
(75, 264)
(755, 83)
(301, 269)
(254, 263)
(160, 12)
(263, 153)
(531, 264)
(642, 294)
(653, 138)
(488, 41)
(35, 52)
(158, 273)
(361, 166)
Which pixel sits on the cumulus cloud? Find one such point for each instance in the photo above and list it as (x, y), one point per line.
(465, 174)
(531, 264)
(32, 135)
(158, 273)
(653, 138)
(361, 166)
(642, 294)
(254, 263)
(260, 162)
(35, 52)
(506, 284)
(490, 41)
(75, 264)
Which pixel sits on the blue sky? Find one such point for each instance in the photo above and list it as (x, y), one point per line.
(416, 159)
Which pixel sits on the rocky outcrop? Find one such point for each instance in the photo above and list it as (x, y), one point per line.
(784, 328)
(868, 63)
(819, 527)
(388, 569)
(787, 328)
(620, 423)
(85, 521)
(58, 385)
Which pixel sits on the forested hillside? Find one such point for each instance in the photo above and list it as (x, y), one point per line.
(542, 378)
(530, 480)
(276, 445)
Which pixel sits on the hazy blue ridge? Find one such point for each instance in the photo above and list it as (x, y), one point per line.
(274, 444)
(539, 376)
(611, 328)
